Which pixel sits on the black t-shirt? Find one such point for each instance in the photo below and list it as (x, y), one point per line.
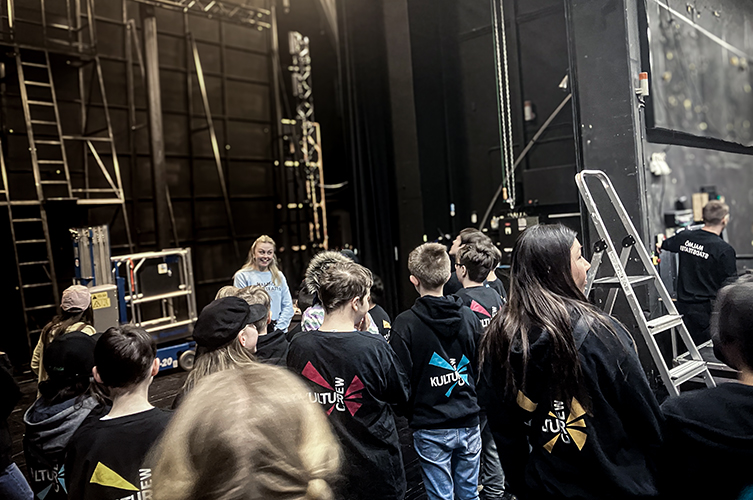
(355, 377)
(484, 301)
(272, 348)
(105, 457)
(497, 286)
(706, 262)
(708, 443)
(382, 320)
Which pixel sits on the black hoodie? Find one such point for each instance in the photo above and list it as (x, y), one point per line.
(551, 449)
(437, 340)
(484, 301)
(272, 348)
(708, 434)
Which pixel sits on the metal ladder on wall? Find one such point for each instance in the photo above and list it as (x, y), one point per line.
(684, 368)
(37, 283)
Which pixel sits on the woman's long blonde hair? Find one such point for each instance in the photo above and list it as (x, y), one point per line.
(246, 434)
(228, 357)
(251, 260)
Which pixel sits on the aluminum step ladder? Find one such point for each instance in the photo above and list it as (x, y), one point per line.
(685, 367)
(35, 271)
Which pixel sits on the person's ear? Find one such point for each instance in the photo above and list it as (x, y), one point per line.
(155, 367)
(269, 317)
(242, 337)
(95, 373)
(414, 281)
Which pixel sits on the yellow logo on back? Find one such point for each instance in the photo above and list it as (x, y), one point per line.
(107, 477)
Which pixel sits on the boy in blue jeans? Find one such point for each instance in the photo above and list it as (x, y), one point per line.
(436, 340)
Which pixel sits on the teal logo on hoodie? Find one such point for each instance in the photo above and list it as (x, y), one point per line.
(456, 376)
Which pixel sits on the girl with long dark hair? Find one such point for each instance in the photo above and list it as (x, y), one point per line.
(568, 402)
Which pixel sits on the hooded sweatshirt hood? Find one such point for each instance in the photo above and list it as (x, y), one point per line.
(50, 427)
(272, 348)
(441, 314)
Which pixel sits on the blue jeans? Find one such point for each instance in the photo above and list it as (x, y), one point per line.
(450, 460)
(13, 485)
(491, 475)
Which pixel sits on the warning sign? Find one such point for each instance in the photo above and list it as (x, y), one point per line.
(100, 300)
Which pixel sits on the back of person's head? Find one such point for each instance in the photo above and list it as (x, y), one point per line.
(257, 295)
(246, 434)
(218, 337)
(430, 264)
(732, 320)
(68, 361)
(226, 291)
(472, 235)
(377, 290)
(714, 212)
(342, 282)
(75, 306)
(543, 294)
(124, 356)
(319, 263)
(478, 259)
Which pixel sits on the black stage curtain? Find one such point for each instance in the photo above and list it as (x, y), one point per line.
(366, 111)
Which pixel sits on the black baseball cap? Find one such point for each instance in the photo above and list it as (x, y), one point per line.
(222, 320)
(70, 356)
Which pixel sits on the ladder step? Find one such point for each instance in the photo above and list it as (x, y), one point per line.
(24, 242)
(40, 103)
(31, 219)
(687, 370)
(50, 162)
(664, 323)
(614, 282)
(33, 83)
(45, 141)
(34, 263)
(53, 182)
(42, 122)
(86, 138)
(33, 65)
(38, 308)
(37, 285)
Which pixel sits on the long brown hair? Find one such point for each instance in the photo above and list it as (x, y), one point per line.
(65, 320)
(250, 433)
(543, 295)
(251, 259)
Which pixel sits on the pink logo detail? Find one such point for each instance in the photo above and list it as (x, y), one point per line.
(338, 397)
(476, 307)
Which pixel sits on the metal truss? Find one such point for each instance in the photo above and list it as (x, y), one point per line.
(309, 144)
(216, 9)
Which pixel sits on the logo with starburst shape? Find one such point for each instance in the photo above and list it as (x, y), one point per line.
(339, 398)
(457, 376)
(568, 428)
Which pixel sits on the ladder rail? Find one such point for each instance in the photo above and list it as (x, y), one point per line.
(680, 373)
(57, 124)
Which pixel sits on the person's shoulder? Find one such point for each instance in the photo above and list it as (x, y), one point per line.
(701, 403)
(302, 338)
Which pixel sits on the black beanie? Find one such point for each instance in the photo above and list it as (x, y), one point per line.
(221, 321)
(70, 356)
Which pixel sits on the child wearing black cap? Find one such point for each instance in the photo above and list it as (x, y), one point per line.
(226, 338)
(355, 377)
(105, 456)
(272, 345)
(65, 401)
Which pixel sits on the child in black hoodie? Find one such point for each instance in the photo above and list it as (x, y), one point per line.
(708, 434)
(436, 340)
